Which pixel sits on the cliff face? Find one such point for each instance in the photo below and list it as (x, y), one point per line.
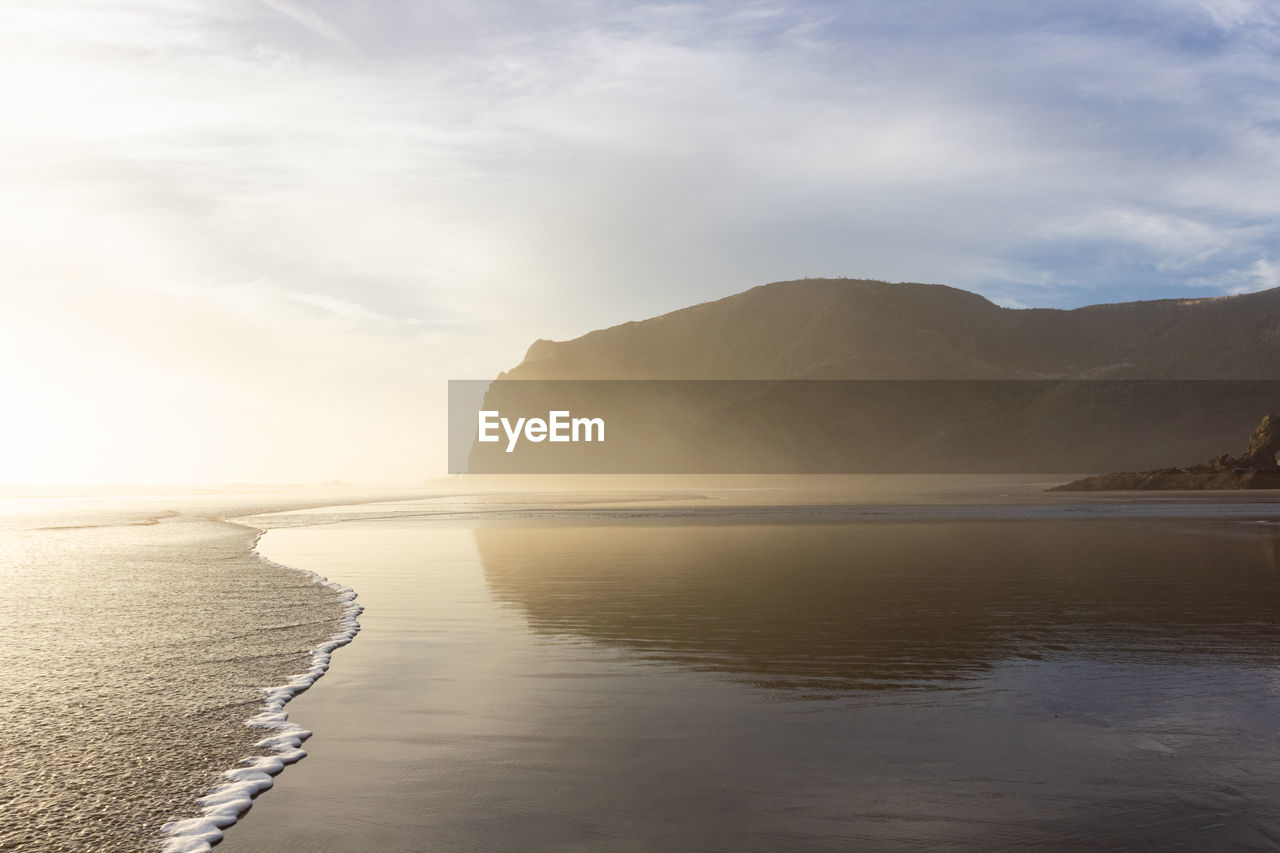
(857, 329)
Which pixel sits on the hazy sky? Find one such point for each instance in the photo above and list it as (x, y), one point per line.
(252, 239)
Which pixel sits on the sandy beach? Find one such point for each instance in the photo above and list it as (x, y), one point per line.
(629, 427)
(635, 675)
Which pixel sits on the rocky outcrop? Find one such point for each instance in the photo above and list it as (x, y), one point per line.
(1264, 444)
(1256, 469)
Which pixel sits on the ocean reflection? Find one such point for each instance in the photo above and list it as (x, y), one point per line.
(820, 609)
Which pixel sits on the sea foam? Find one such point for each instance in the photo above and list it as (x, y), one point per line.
(229, 799)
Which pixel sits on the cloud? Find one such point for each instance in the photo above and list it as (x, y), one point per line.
(1233, 14)
(463, 177)
(348, 311)
(1265, 273)
(309, 19)
(1262, 274)
(1176, 240)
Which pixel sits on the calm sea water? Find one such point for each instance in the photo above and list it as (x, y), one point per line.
(1097, 675)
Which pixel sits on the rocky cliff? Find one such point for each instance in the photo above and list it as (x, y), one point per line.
(1255, 469)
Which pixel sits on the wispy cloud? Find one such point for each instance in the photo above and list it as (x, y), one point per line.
(1234, 14)
(347, 311)
(1262, 274)
(456, 178)
(309, 19)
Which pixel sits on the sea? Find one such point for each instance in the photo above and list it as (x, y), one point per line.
(978, 666)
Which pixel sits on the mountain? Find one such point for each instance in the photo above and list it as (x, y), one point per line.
(901, 378)
(859, 329)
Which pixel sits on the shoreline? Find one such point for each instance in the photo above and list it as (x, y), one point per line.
(227, 801)
(234, 794)
(147, 632)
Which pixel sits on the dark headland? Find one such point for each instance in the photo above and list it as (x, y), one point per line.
(874, 330)
(885, 378)
(1256, 469)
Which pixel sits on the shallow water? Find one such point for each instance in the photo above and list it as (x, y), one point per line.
(139, 633)
(549, 680)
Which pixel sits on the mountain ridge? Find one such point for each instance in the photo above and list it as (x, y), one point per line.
(867, 329)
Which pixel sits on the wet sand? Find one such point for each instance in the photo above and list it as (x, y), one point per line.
(561, 681)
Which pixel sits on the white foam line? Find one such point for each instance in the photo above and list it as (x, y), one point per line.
(229, 799)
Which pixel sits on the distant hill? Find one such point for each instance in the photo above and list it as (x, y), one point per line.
(859, 329)
(1110, 389)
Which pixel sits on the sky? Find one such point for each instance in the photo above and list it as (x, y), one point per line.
(251, 240)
